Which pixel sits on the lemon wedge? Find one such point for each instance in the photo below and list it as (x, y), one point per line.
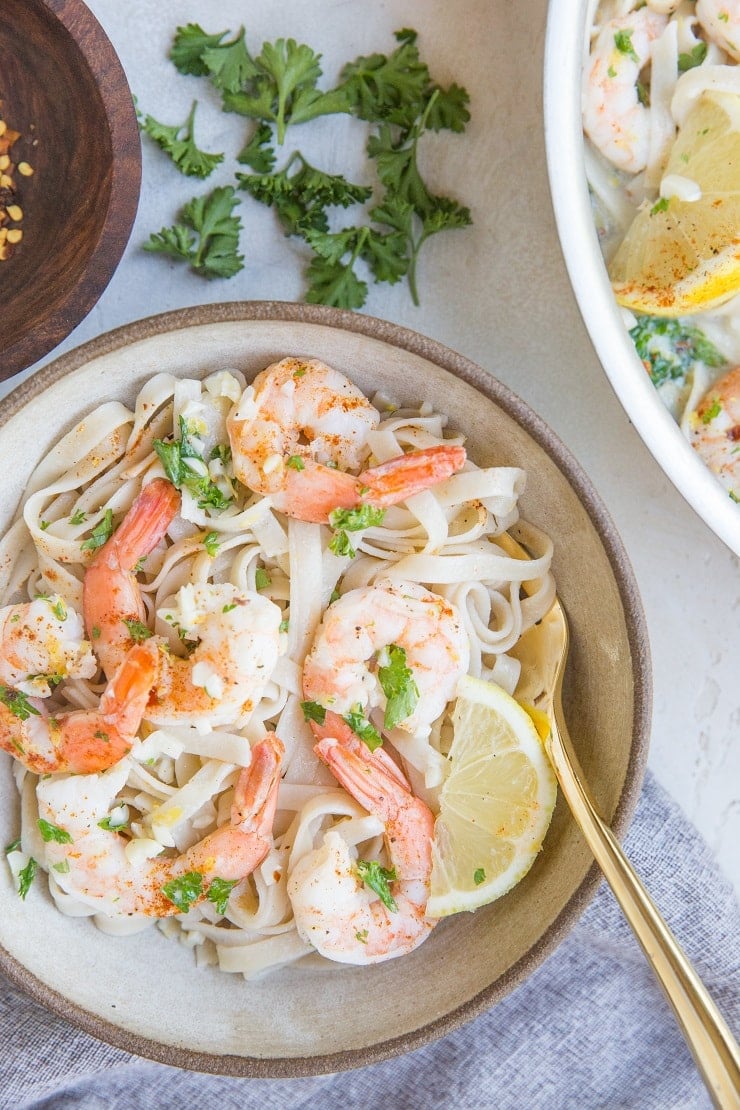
(496, 804)
(682, 253)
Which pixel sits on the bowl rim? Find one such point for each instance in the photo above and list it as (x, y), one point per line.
(97, 53)
(565, 41)
(636, 627)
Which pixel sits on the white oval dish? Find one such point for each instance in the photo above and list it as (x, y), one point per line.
(567, 30)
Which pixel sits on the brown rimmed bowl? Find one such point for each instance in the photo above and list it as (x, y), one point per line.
(143, 993)
(63, 88)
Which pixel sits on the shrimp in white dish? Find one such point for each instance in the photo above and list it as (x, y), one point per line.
(301, 426)
(714, 430)
(335, 910)
(614, 118)
(234, 634)
(357, 637)
(91, 863)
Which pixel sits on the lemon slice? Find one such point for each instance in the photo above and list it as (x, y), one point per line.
(682, 256)
(495, 806)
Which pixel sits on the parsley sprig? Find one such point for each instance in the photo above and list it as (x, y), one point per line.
(278, 88)
(179, 142)
(174, 455)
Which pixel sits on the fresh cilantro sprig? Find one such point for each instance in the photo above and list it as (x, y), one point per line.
(352, 520)
(17, 702)
(206, 235)
(102, 532)
(184, 890)
(179, 142)
(219, 892)
(51, 832)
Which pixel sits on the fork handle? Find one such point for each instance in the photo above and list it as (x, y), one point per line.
(707, 1034)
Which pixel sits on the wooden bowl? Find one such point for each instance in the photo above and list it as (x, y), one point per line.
(63, 88)
(143, 992)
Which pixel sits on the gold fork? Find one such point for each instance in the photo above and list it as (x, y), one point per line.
(707, 1034)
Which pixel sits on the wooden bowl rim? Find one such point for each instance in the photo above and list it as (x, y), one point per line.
(636, 627)
(97, 53)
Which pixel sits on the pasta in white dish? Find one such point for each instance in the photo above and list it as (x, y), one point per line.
(648, 64)
(176, 640)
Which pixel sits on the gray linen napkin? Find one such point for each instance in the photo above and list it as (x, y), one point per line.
(589, 1029)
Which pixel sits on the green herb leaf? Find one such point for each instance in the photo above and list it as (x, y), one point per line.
(188, 46)
(211, 543)
(229, 64)
(363, 728)
(207, 236)
(378, 879)
(479, 876)
(219, 891)
(341, 546)
(184, 890)
(102, 531)
(179, 142)
(113, 824)
(670, 349)
(62, 868)
(18, 704)
(78, 517)
(14, 846)
(623, 43)
(713, 411)
(51, 832)
(399, 687)
(257, 152)
(138, 631)
(295, 462)
(312, 711)
(26, 877)
(262, 579)
(354, 520)
(693, 58)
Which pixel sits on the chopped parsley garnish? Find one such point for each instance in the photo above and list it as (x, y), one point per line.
(479, 876)
(361, 935)
(284, 626)
(174, 455)
(113, 823)
(363, 728)
(78, 517)
(378, 878)
(59, 609)
(714, 410)
(623, 43)
(17, 702)
(51, 832)
(340, 545)
(26, 877)
(262, 579)
(659, 206)
(352, 520)
(138, 631)
(295, 462)
(229, 606)
(669, 348)
(312, 711)
(62, 867)
(219, 891)
(399, 687)
(211, 544)
(184, 890)
(14, 846)
(44, 524)
(102, 531)
(693, 58)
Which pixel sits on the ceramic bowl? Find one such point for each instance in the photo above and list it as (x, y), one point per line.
(143, 993)
(566, 39)
(63, 89)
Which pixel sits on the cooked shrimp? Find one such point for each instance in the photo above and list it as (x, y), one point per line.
(334, 910)
(302, 425)
(714, 430)
(238, 644)
(720, 20)
(42, 642)
(81, 740)
(341, 671)
(613, 117)
(237, 632)
(111, 596)
(91, 862)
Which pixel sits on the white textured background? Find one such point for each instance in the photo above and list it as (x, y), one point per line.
(498, 293)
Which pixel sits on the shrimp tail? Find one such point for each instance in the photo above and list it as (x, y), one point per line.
(110, 592)
(406, 475)
(142, 528)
